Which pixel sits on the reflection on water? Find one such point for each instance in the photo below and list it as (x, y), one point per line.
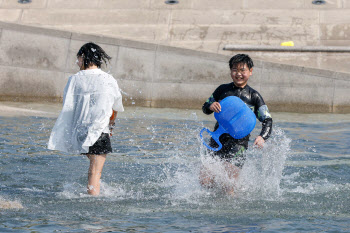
(298, 182)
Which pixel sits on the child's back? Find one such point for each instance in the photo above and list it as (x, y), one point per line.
(89, 97)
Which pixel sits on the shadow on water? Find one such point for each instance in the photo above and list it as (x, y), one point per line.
(298, 182)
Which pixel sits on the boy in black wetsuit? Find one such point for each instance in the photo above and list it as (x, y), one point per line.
(232, 152)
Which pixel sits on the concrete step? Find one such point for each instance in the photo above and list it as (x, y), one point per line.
(93, 17)
(184, 4)
(203, 25)
(174, 17)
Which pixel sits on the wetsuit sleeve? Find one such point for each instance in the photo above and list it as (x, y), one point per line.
(213, 98)
(266, 128)
(206, 105)
(264, 116)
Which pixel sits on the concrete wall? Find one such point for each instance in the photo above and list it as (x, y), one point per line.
(203, 25)
(35, 64)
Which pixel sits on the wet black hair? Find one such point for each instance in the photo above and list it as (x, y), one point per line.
(93, 54)
(241, 58)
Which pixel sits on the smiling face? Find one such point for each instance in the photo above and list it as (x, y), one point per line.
(240, 74)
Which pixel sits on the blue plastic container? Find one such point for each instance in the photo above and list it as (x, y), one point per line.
(235, 118)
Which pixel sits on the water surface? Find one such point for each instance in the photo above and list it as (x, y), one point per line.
(299, 182)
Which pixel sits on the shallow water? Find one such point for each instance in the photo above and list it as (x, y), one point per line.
(299, 182)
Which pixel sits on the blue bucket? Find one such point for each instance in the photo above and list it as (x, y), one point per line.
(235, 118)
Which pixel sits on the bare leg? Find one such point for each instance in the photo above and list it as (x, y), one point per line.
(233, 173)
(206, 178)
(94, 175)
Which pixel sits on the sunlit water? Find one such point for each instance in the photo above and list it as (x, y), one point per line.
(299, 182)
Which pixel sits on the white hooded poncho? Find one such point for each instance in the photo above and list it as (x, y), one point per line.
(88, 100)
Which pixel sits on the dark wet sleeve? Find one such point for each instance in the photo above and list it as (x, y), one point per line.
(266, 128)
(213, 98)
(264, 116)
(206, 105)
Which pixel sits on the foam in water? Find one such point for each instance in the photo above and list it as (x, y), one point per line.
(73, 190)
(115, 191)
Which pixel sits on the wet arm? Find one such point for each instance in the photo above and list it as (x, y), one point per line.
(112, 120)
(266, 128)
(264, 116)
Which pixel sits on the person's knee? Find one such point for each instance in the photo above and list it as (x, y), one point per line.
(206, 182)
(206, 179)
(94, 173)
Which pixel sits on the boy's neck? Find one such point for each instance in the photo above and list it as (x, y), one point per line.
(239, 86)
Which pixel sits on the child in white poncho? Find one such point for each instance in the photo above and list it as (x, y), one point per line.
(91, 101)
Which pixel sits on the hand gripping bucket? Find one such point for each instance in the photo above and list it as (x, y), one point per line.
(235, 118)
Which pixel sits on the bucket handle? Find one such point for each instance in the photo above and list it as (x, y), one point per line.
(215, 135)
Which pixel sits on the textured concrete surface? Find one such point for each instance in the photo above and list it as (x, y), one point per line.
(35, 64)
(202, 25)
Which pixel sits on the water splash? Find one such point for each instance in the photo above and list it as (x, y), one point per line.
(259, 178)
(263, 171)
(117, 191)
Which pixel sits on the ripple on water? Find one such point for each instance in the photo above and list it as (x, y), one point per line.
(299, 181)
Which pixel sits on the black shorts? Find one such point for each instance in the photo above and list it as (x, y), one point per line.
(232, 150)
(101, 146)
